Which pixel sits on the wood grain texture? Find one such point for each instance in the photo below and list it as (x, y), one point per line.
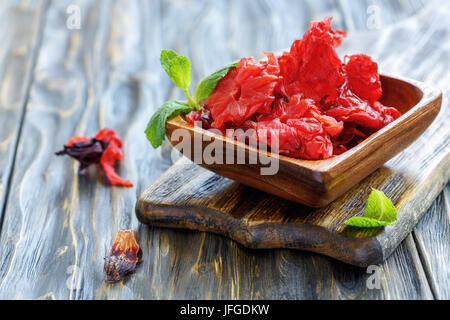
(85, 85)
(108, 73)
(432, 238)
(20, 43)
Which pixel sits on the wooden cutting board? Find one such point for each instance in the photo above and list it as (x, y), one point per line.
(190, 197)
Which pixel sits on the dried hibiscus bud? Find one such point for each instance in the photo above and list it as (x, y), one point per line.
(104, 149)
(123, 256)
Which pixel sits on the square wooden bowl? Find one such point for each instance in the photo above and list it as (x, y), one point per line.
(318, 183)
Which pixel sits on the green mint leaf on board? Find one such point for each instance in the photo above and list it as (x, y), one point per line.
(156, 128)
(208, 84)
(379, 212)
(362, 222)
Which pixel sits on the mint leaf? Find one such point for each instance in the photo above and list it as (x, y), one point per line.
(380, 207)
(208, 84)
(177, 67)
(156, 128)
(362, 222)
(379, 212)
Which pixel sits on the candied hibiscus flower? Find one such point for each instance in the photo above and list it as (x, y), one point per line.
(103, 149)
(243, 92)
(306, 102)
(312, 67)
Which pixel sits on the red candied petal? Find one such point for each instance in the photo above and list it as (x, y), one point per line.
(299, 138)
(330, 124)
(273, 67)
(362, 115)
(223, 100)
(193, 117)
(288, 140)
(248, 68)
(243, 92)
(257, 96)
(111, 154)
(312, 66)
(339, 150)
(109, 135)
(350, 108)
(278, 110)
(289, 64)
(347, 135)
(363, 77)
(390, 114)
(297, 108)
(317, 145)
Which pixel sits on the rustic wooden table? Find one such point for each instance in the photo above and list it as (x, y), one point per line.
(57, 80)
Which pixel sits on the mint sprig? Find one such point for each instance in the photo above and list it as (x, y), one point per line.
(156, 128)
(379, 212)
(178, 68)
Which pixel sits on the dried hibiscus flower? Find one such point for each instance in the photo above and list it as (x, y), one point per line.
(104, 149)
(307, 101)
(123, 256)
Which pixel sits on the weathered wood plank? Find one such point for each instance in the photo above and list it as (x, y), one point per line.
(401, 276)
(20, 24)
(217, 268)
(85, 79)
(432, 238)
(108, 73)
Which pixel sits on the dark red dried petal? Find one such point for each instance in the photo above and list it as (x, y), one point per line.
(87, 152)
(123, 256)
(104, 149)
